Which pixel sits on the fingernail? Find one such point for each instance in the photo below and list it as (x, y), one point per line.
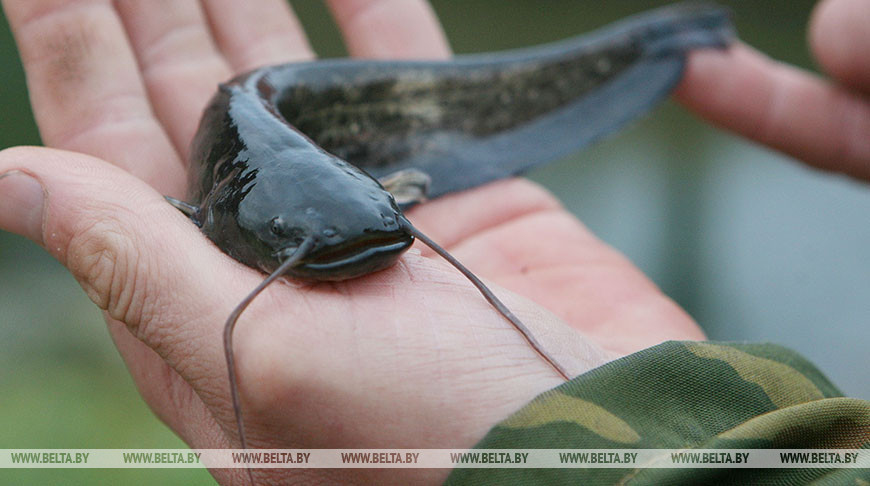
(21, 202)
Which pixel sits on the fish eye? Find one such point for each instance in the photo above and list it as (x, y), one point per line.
(277, 227)
(280, 229)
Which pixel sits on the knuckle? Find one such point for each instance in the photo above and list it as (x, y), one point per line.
(63, 40)
(65, 47)
(852, 117)
(106, 260)
(367, 10)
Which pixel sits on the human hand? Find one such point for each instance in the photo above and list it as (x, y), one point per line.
(408, 357)
(825, 123)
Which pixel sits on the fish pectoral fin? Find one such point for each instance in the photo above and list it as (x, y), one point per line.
(408, 186)
(189, 210)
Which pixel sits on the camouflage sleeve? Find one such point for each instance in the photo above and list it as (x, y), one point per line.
(685, 395)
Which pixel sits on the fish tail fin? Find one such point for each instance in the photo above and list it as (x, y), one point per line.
(683, 27)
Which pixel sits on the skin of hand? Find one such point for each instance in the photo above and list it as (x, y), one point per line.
(408, 357)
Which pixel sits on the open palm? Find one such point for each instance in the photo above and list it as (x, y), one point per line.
(408, 357)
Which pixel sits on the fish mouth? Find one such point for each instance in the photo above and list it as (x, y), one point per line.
(353, 259)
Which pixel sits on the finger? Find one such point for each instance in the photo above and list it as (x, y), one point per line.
(390, 29)
(180, 64)
(126, 247)
(85, 87)
(258, 33)
(840, 39)
(782, 107)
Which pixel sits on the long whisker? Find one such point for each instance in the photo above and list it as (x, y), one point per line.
(490, 297)
(300, 253)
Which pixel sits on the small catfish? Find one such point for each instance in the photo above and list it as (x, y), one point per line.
(303, 169)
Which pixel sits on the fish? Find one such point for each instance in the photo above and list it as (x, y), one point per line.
(304, 169)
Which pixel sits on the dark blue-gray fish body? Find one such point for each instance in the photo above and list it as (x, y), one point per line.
(278, 153)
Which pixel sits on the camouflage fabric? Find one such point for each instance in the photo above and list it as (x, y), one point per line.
(685, 395)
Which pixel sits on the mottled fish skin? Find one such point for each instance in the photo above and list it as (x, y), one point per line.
(380, 118)
(477, 118)
(291, 151)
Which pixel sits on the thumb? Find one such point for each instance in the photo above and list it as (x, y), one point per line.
(135, 256)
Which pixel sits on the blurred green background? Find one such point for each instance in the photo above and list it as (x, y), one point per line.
(753, 245)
